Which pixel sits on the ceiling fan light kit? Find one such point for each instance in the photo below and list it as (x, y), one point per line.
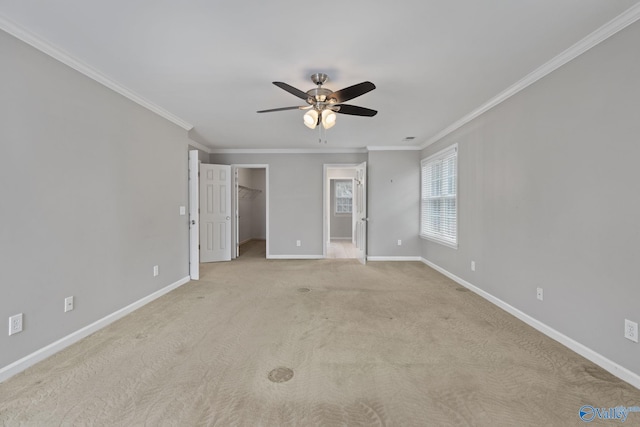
(310, 119)
(323, 103)
(328, 118)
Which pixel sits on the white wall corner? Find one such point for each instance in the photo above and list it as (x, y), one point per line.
(199, 146)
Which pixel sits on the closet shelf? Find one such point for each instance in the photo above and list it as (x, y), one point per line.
(247, 193)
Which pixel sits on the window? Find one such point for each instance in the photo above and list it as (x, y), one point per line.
(438, 211)
(343, 196)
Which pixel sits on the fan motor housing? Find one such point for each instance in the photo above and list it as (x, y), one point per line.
(318, 94)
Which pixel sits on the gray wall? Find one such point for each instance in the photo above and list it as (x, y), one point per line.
(393, 203)
(90, 186)
(295, 204)
(340, 225)
(548, 197)
(295, 197)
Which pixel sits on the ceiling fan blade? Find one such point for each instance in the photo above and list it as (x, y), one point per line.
(351, 92)
(292, 90)
(355, 110)
(283, 109)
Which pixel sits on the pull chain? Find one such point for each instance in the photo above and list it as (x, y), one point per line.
(320, 127)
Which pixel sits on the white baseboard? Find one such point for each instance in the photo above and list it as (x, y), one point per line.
(394, 258)
(295, 257)
(49, 350)
(607, 364)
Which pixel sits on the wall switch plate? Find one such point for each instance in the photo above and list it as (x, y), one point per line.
(183, 210)
(298, 243)
(68, 304)
(473, 266)
(15, 324)
(539, 294)
(399, 242)
(155, 271)
(630, 330)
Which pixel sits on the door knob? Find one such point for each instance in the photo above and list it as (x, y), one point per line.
(228, 218)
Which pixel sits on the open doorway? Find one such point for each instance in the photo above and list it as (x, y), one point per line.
(251, 211)
(339, 224)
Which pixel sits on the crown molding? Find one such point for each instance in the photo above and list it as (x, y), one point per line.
(287, 151)
(617, 24)
(393, 148)
(67, 59)
(306, 150)
(199, 146)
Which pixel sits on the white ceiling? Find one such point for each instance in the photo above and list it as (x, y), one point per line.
(211, 63)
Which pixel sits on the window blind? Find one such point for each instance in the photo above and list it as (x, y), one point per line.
(439, 213)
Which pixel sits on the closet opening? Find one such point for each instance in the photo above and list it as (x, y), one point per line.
(251, 211)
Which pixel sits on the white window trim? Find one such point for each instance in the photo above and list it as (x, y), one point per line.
(437, 156)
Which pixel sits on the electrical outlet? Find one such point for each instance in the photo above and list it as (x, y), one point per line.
(473, 266)
(539, 294)
(155, 271)
(298, 243)
(399, 242)
(630, 330)
(15, 324)
(68, 304)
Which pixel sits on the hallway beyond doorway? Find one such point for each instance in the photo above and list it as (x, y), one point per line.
(341, 248)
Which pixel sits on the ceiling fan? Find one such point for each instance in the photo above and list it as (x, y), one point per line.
(324, 103)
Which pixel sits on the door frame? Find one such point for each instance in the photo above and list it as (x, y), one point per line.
(361, 212)
(234, 204)
(194, 217)
(326, 201)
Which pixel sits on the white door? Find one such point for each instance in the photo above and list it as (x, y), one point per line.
(361, 211)
(215, 213)
(194, 221)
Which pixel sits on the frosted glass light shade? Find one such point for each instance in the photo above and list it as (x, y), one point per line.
(328, 119)
(311, 119)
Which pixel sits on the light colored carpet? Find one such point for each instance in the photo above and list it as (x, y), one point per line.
(393, 344)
